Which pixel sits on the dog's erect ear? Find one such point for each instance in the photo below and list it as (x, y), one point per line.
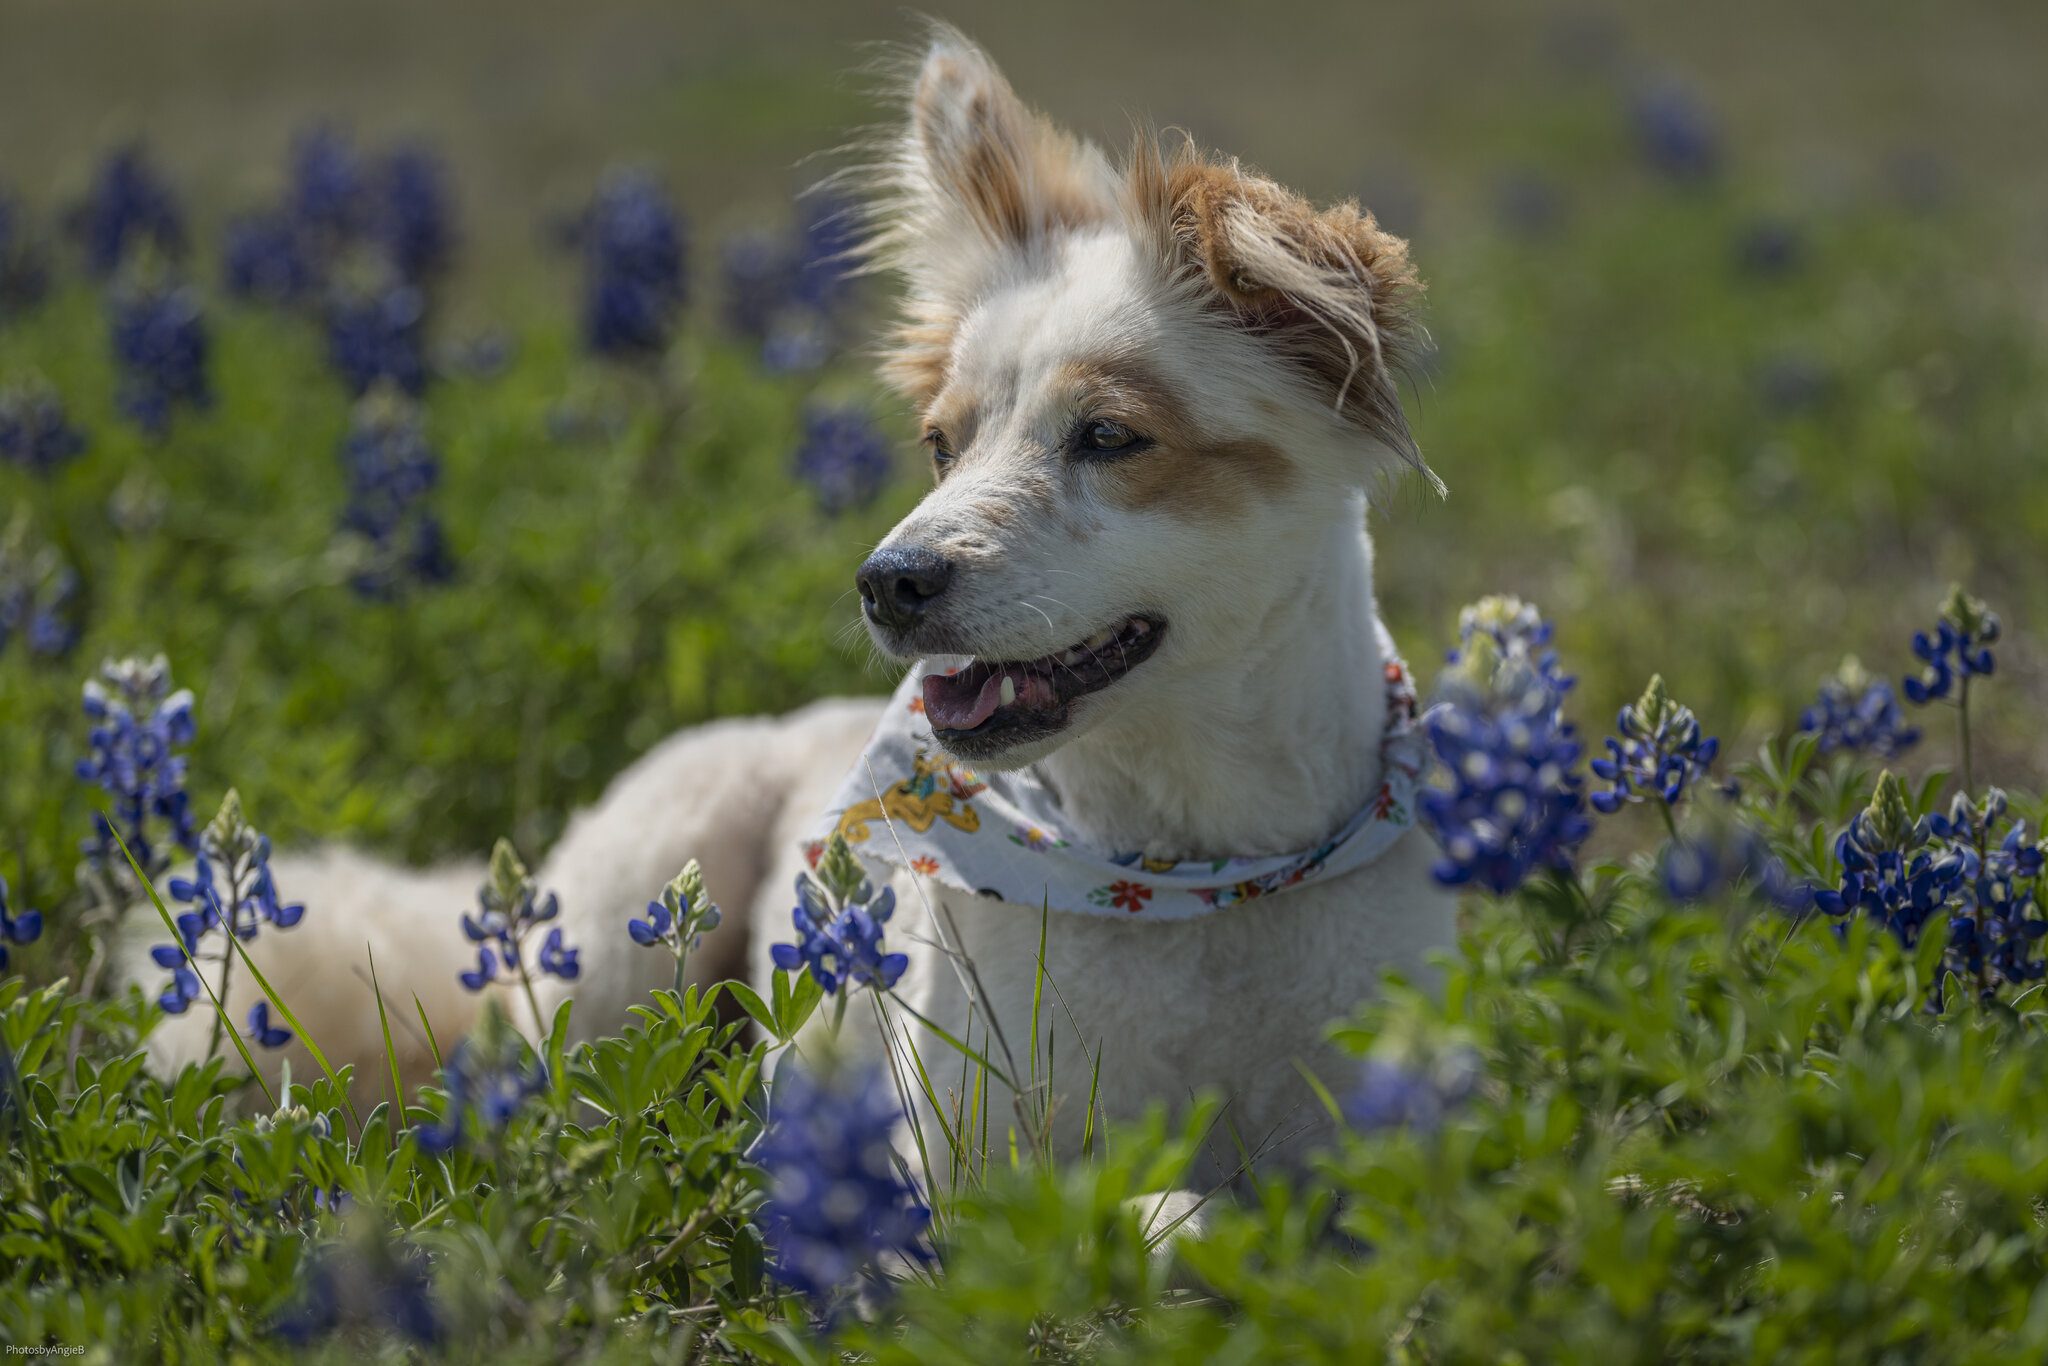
(1330, 290)
(974, 176)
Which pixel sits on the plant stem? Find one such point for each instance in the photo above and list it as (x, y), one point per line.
(1963, 720)
(231, 906)
(1670, 821)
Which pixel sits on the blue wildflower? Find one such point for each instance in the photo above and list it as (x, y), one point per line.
(1858, 714)
(24, 267)
(35, 432)
(328, 188)
(1701, 867)
(1660, 752)
(177, 959)
(378, 333)
(231, 892)
(36, 593)
(788, 293)
(413, 218)
(839, 935)
(139, 724)
(756, 274)
(262, 1032)
(391, 472)
(1994, 933)
(1510, 803)
(160, 345)
(681, 918)
(265, 257)
(838, 1204)
(1676, 133)
(492, 1075)
(16, 927)
(509, 910)
(843, 457)
(1960, 648)
(127, 206)
(1891, 872)
(380, 1289)
(633, 283)
(1399, 1094)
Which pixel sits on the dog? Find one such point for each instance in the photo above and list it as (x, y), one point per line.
(1157, 393)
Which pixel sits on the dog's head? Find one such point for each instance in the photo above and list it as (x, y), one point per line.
(1149, 391)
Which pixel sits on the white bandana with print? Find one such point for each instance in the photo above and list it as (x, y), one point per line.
(1003, 834)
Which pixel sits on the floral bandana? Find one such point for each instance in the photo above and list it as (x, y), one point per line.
(1003, 834)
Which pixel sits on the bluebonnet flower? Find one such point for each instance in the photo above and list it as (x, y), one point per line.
(378, 333)
(24, 268)
(756, 274)
(1675, 133)
(379, 1289)
(391, 472)
(413, 219)
(139, 725)
(1511, 803)
(231, 892)
(492, 1075)
(633, 282)
(1859, 714)
(35, 432)
(265, 257)
(788, 293)
(160, 346)
(16, 927)
(509, 910)
(844, 457)
(127, 206)
(1891, 872)
(1400, 1094)
(838, 1205)
(1960, 648)
(839, 918)
(1699, 867)
(36, 593)
(1769, 247)
(262, 1032)
(681, 918)
(1994, 934)
(328, 189)
(1660, 752)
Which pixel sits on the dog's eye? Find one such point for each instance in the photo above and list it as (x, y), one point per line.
(1104, 437)
(942, 450)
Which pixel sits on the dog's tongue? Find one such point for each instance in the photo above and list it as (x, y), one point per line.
(964, 700)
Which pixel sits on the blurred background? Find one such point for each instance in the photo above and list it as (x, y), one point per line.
(1738, 308)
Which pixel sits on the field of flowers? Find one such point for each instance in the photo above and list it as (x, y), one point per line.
(1736, 1059)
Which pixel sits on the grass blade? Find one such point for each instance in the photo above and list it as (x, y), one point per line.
(433, 1045)
(390, 1053)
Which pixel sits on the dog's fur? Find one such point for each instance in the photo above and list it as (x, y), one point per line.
(1253, 342)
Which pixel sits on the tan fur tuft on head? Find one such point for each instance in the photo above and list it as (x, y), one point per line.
(1330, 288)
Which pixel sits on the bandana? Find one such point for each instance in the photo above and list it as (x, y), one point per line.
(1004, 835)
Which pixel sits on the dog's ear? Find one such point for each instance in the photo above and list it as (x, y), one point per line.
(974, 175)
(1330, 290)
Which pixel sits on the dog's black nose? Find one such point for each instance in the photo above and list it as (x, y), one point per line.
(896, 585)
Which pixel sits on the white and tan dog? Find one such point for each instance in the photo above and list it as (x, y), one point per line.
(1156, 394)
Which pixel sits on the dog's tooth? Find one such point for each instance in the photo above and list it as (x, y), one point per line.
(1009, 693)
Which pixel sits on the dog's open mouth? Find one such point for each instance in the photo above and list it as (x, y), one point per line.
(990, 704)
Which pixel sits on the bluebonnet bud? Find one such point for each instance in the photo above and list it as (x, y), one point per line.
(844, 457)
(35, 433)
(1891, 873)
(24, 268)
(1510, 803)
(127, 206)
(414, 217)
(265, 257)
(839, 918)
(1675, 133)
(160, 347)
(490, 1076)
(36, 592)
(1959, 648)
(1398, 1093)
(633, 281)
(1660, 752)
(509, 910)
(1858, 714)
(376, 333)
(391, 473)
(16, 927)
(838, 1205)
(681, 918)
(139, 725)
